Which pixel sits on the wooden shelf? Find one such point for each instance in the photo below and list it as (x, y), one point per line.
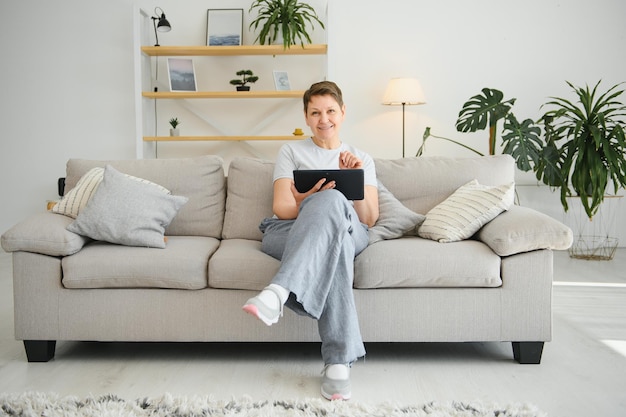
(223, 94)
(312, 49)
(218, 138)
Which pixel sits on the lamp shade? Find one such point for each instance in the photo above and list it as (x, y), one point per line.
(163, 25)
(406, 91)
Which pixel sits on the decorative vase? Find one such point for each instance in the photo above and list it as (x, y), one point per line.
(243, 88)
(174, 132)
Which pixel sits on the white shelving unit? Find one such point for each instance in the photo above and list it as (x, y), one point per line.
(151, 89)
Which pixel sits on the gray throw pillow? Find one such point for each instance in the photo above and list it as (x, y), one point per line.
(394, 219)
(127, 212)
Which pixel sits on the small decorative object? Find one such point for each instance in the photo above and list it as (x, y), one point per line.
(224, 27)
(181, 74)
(298, 132)
(247, 76)
(287, 17)
(174, 123)
(281, 81)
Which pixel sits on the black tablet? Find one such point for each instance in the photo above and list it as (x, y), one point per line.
(349, 181)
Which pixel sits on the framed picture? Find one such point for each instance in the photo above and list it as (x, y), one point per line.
(281, 81)
(224, 27)
(181, 74)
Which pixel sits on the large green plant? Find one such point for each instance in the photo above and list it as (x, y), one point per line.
(286, 17)
(585, 145)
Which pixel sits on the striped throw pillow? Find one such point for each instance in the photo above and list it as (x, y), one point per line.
(463, 213)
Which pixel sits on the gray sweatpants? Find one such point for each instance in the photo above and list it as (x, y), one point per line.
(317, 252)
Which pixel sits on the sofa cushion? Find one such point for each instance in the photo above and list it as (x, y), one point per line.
(43, 233)
(522, 229)
(227, 268)
(183, 264)
(394, 219)
(201, 179)
(420, 183)
(415, 262)
(127, 212)
(76, 199)
(462, 214)
(249, 201)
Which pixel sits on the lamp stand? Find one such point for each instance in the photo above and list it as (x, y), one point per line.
(154, 19)
(403, 104)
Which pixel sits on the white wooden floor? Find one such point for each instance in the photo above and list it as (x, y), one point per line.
(583, 371)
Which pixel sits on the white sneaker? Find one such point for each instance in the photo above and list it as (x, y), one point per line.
(336, 382)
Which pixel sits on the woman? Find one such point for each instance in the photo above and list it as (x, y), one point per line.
(317, 235)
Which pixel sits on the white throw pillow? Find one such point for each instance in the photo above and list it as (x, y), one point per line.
(466, 211)
(77, 198)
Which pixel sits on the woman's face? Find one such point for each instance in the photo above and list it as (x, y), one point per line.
(324, 116)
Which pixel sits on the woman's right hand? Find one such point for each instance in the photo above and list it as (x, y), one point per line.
(287, 199)
(319, 186)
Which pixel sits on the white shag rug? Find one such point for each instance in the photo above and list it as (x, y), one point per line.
(35, 404)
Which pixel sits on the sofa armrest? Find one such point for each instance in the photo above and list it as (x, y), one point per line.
(522, 229)
(43, 233)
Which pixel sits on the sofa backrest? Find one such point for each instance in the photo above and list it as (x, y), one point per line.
(249, 201)
(421, 183)
(201, 179)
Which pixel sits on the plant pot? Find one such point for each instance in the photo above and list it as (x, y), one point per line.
(243, 88)
(174, 132)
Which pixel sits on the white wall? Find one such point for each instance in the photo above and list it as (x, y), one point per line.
(68, 75)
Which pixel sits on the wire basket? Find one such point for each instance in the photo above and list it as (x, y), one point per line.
(593, 248)
(592, 240)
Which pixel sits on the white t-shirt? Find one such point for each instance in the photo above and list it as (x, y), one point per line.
(305, 154)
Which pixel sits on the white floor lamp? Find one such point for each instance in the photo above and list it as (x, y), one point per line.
(405, 92)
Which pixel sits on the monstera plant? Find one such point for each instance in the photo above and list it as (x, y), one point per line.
(521, 140)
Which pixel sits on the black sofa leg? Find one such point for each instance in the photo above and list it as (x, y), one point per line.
(528, 352)
(39, 350)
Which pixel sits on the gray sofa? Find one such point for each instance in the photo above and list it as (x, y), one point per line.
(494, 286)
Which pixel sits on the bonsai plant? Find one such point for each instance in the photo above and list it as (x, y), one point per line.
(247, 76)
(174, 123)
(288, 17)
(585, 145)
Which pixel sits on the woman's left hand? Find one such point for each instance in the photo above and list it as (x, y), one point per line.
(348, 161)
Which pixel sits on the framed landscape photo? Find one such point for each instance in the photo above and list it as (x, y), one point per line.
(224, 27)
(281, 81)
(181, 74)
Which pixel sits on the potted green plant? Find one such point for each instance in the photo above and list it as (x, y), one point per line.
(174, 123)
(286, 17)
(585, 146)
(247, 76)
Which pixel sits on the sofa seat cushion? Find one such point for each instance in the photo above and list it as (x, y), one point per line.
(183, 264)
(413, 262)
(240, 264)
